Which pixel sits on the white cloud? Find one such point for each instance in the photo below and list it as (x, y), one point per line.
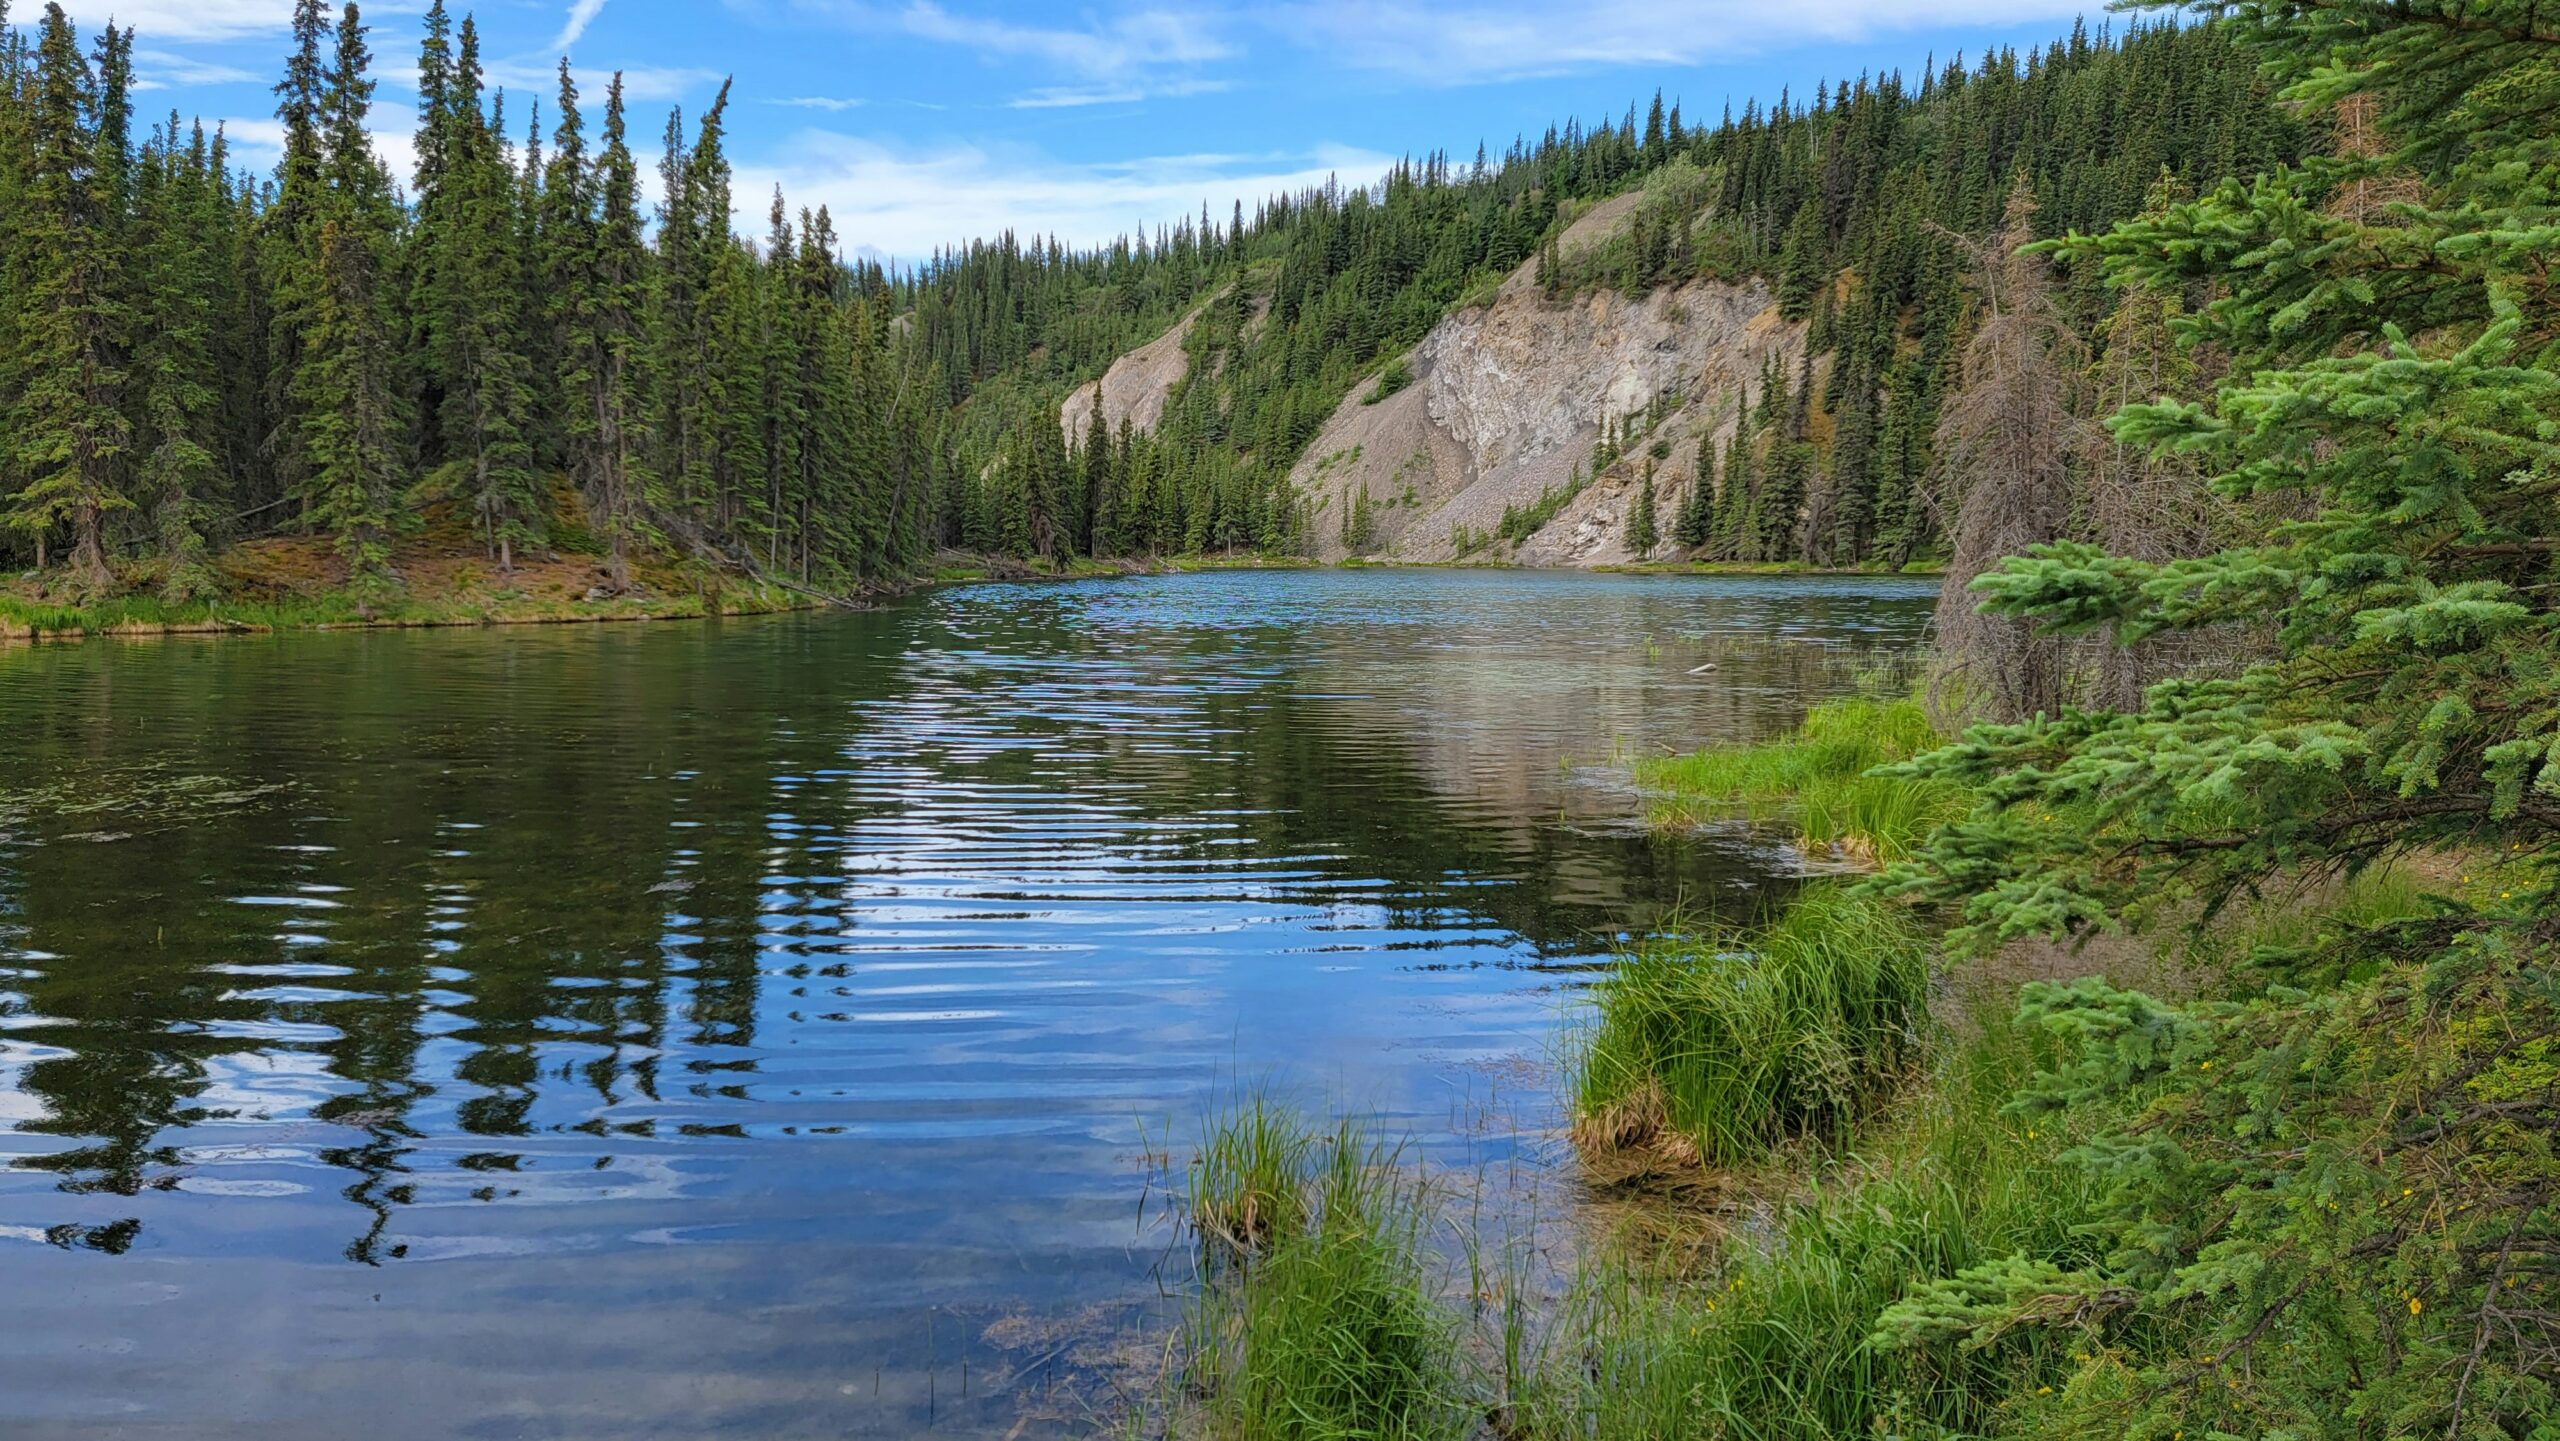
(1509, 39)
(819, 102)
(1133, 53)
(1125, 44)
(257, 143)
(651, 84)
(582, 13)
(177, 19)
(160, 69)
(903, 203)
(1062, 96)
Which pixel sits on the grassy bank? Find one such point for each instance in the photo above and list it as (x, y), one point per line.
(1910, 1242)
(1717, 1045)
(1814, 779)
(1853, 1190)
(1372, 1315)
(442, 576)
(1926, 568)
(445, 578)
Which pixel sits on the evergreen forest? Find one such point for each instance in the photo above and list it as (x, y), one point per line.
(513, 342)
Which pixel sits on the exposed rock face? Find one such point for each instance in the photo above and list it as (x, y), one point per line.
(1506, 403)
(1135, 388)
(1509, 399)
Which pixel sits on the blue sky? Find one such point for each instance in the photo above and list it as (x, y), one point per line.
(925, 121)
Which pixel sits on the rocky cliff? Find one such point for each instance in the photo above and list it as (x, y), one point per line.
(1508, 401)
(1506, 404)
(1136, 386)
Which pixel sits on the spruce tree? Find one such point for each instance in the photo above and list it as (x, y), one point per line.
(346, 386)
(1850, 486)
(435, 299)
(289, 248)
(1695, 523)
(70, 435)
(15, 280)
(608, 369)
(1642, 535)
(1732, 537)
(785, 403)
(489, 406)
(1804, 264)
(2330, 1178)
(1101, 485)
(1778, 508)
(178, 408)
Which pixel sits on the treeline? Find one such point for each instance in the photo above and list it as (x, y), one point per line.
(1863, 208)
(1871, 213)
(190, 354)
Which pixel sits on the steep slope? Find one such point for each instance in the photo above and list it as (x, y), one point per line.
(1508, 401)
(1136, 386)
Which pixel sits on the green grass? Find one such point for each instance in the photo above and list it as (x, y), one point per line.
(2297, 938)
(144, 613)
(1778, 1341)
(1329, 1327)
(1338, 1328)
(1721, 1044)
(1814, 779)
(1249, 1178)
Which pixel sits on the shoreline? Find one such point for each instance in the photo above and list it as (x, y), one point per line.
(31, 620)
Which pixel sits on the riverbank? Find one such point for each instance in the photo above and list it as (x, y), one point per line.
(1930, 569)
(296, 583)
(1831, 1175)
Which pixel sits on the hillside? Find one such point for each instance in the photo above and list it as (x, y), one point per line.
(1507, 408)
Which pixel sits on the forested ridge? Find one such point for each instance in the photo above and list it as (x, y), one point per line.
(192, 354)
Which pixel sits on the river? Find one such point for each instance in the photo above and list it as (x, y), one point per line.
(765, 1027)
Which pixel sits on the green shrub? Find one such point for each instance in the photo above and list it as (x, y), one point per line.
(1395, 377)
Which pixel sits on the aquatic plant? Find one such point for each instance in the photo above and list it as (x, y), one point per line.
(1249, 1178)
(1331, 1326)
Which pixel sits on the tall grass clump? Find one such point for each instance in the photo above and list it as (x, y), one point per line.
(1793, 1335)
(1717, 1045)
(1815, 778)
(1249, 1178)
(1329, 1325)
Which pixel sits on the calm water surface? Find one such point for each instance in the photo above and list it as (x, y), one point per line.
(756, 1028)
